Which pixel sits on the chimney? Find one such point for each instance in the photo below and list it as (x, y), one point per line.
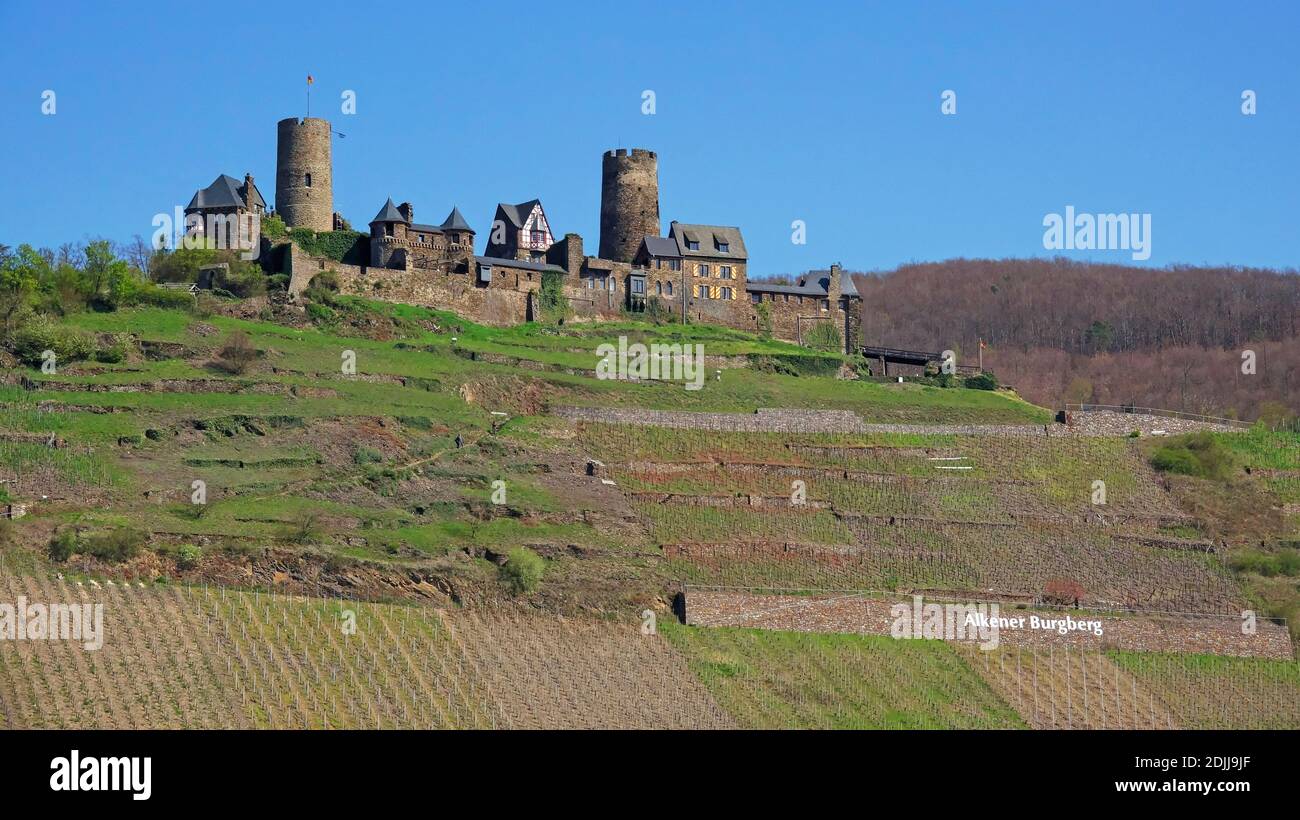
(833, 286)
(407, 212)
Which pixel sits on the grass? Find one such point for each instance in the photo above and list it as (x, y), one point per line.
(768, 679)
(1217, 692)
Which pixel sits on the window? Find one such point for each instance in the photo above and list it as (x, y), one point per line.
(704, 270)
(692, 246)
(659, 288)
(538, 237)
(536, 256)
(724, 247)
(307, 180)
(591, 282)
(674, 264)
(724, 293)
(826, 305)
(756, 297)
(702, 291)
(724, 271)
(636, 286)
(669, 288)
(613, 284)
(422, 238)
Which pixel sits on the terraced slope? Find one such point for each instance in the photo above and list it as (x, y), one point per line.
(222, 658)
(1071, 690)
(770, 679)
(1212, 692)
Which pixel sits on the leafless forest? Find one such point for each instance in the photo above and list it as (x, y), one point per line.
(1059, 330)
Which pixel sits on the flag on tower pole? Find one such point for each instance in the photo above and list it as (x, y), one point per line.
(309, 82)
(982, 346)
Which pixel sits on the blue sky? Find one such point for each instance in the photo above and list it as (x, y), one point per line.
(765, 113)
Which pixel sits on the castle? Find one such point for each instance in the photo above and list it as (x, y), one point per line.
(696, 271)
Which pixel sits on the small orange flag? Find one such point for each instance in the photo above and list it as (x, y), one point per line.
(310, 80)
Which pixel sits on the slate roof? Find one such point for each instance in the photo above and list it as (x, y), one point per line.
(661, 246)
(389, 213)
(495, 261)
(822, 278)
(709, 236)
(455, 221)
(813, 283)
(517, 214)
(224, 192)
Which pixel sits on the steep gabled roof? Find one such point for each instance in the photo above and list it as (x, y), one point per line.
(455, 222)
(389, 213)
(516, 215)
(709, 237)
(224, 192)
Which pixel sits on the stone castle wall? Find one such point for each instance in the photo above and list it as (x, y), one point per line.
(506, 300)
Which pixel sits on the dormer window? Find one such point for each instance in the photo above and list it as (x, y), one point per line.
(724, 247)
(692, 245)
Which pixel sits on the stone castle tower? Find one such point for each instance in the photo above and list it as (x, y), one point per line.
(304, 179)
(629, 202)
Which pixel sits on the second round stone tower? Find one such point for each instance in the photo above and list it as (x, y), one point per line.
(629, 202)
(304, 178)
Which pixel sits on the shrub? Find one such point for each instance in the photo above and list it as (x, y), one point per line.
(154, 296)
(764, 311)
(825, 336)
(306, 527)
(1195, 454)
(187, 557)
(41, 333)
(365, 455)
(62, 545)
(204, 305)
(236, 354)
(321, 314)
(119, 544)
(113, 351)
(982, 381)
(523, 570)
(551, 299)
(272, 227)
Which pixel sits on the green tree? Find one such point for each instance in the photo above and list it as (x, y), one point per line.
(20, 276)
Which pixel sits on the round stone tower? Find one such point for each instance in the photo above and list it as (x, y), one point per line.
(304, 180)
(629, 202)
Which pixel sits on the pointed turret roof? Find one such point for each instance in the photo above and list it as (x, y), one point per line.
(455, 221)
(389, 213)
